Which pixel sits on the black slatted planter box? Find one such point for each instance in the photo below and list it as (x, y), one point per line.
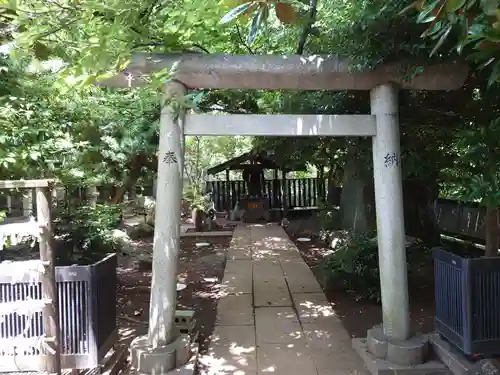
(467, 292)
(87, 315)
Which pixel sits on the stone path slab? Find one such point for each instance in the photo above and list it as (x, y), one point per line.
(235, 310)
(272, 316)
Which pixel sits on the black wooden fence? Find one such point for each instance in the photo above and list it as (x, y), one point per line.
(454, 217)
(302, 192)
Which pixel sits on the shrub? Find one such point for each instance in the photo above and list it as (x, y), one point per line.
(196, 198)
(87, 229)
(353, 267)
(329, 221)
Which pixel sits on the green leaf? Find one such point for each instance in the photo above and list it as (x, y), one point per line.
(257, 22)
(235, 12)
(486, 63)
(41, 51)
(12, 4)
(490, 7)
(437, 31)
(426, 15)
(495, 74)
(454, 5)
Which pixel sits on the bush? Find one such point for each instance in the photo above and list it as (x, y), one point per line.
(87, 229)
(353, 267)
(329, 221)
(196, 198)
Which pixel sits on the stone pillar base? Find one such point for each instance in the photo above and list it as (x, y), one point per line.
(178, 357)
(384, 356)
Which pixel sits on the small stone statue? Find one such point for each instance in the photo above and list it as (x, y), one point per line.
(285, 223)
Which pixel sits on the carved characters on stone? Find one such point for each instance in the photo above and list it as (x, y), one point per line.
(170, 158)
(391, 160)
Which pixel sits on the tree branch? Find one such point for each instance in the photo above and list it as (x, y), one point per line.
(242, 41)
(307, 28)
(199, 46)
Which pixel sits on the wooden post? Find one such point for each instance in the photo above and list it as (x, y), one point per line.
(9, 202)
(274, 199)
(321, 183)
(228, 195)
(284, 193)
(27, 203)
(48, 280)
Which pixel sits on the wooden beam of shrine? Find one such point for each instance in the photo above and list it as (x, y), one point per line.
(274, 72)
(280, 125)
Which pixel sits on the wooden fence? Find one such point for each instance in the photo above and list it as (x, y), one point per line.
(461, 218)
(18, 203)
(454, 217)
(302, 192)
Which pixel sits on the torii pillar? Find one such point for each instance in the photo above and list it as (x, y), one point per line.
(389, 202)
(165, 349)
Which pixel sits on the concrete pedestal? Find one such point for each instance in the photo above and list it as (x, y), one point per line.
(457, 362)
(383, 355)
(174, 358)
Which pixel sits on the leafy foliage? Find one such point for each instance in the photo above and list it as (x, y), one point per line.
(202, 153)
(54, 123)
(260, 11)
(478, 158)
(354, 267)
(474, 25)
(86, 229)
(329, 221)
(354, 264)
(94, 39)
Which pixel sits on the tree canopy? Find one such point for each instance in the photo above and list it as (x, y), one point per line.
(55, 122)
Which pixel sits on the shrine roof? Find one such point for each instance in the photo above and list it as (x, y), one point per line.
(251, 159)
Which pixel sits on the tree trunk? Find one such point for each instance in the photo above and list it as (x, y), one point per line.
(321, 182)
(333, 194)
(357, 205)
(492, 229)
(130, 180)
(120, 192)
(136, 164)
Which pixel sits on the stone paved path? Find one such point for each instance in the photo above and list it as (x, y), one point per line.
(273, 317)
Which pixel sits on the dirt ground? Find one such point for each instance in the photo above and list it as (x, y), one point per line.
(201, 269)
(358, 316)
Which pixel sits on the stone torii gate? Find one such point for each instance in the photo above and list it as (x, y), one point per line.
(284, 72)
